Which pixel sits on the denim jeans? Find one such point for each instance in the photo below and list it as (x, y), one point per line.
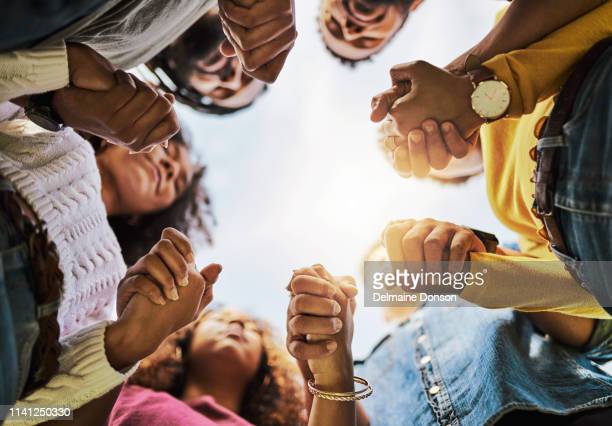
(583, 193)
(18, 321)
(472, 366)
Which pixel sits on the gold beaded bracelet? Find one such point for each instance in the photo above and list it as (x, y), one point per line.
(343, 396)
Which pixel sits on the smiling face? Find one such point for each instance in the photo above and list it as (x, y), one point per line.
(229, 343)
(357, 29)
(223, 81)
(139, 184)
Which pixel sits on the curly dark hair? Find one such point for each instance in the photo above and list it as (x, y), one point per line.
(190, 213)
(274, 397)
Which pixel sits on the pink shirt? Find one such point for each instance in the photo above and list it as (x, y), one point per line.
(141, 406)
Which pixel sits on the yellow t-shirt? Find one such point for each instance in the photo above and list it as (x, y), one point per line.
(536, 281)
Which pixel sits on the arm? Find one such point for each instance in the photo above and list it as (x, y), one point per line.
(319, 336)
(24, 72)
(529, 77)
(520, 282)
(536, 19)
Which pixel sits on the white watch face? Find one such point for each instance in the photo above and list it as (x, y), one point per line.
(491, 99)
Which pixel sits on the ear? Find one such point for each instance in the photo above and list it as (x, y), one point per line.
(415, 4)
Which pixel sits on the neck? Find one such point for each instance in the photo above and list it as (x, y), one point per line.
(227, 393)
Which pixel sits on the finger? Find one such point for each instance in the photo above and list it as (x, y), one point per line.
(256, 15)
(305, 304)
(412, 242)
(392, 239)
(158, 270)
(158, 124)
(314, 350)
(258, 57)
(462, 243)
(323, 273)
(457, 146)
(381, 104)
(437, 242)
(305, 324)
(147, 288)
(207, 297)
(249, 39)
(144, 97)
(315, 286)
(269, 72)
(438, 155)
(409, 71)
(402, 163)
(181, 242)
(164, 131)
(173, 260)
(347, 284)
(211, 273)
(418, 153)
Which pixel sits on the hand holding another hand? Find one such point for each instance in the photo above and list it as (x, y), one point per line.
(145, 317)
(320, 325)
(113, 104)
(260, 32)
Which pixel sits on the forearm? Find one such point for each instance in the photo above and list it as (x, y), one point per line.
(33, 71)
(536, 19)
(84, 375)
(94, 413)
(333, 413)
(569, 330)
(529, 285)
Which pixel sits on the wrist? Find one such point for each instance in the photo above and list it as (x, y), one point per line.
(470, 118)
(125, 346)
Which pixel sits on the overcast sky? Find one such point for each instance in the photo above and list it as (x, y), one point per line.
(299, 179)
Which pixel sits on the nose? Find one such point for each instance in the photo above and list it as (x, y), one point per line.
(232, 76)
(170, 166)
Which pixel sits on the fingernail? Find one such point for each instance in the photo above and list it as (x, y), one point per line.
(446, 127)
(337, 308)
(184, 282)
(330, 346)
(428, 127)
(190, 258)
(337, 324)
(160, 301)
(174, 294)
(415, 137)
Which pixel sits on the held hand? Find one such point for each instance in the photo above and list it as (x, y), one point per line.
(320, 324)
(430, 240)
(113, 104)
(425, 148)
(261, 33)
(142, 325)
(158, 274)
(421, 91)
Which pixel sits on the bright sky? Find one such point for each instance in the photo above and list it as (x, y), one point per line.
(298, 179)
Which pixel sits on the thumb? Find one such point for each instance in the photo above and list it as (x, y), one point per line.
(227, 49)
(211, 272)
(381, 104)
(89, 70)
(407, 72)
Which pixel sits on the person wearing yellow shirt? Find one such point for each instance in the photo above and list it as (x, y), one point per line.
(533, 74)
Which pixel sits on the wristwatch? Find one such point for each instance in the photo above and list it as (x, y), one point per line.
(489, 240)
(40, 111)
(491, 97)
